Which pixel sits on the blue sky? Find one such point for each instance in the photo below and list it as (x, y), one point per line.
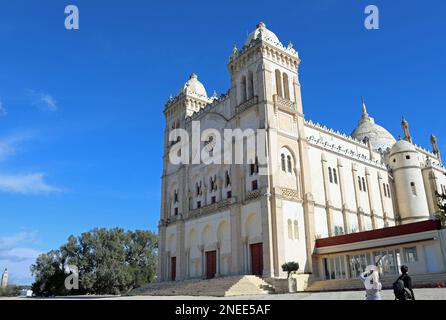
(81, 120)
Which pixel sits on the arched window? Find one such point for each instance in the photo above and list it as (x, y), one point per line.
(175, 196)
(363, 185)
(290, 229)
(286, 87)
(335, 176)
(296, 230)
(359, 183)
(243, 89)
(250, 85)
(227, 179)
(414, 189)
(330, 175)
(278, 84)
(289, 163)
(254, 167)
(282, 157)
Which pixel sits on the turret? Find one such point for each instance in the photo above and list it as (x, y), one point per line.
(409, 185)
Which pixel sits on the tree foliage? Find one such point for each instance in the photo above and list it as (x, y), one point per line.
(290, 267)
(109, 261)
(10, 291)
(441, 200)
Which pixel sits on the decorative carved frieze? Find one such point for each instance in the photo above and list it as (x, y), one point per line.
(284, 104)
(246, 105)
(252, 195)
(289, 194)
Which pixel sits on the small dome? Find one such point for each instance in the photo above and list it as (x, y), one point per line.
(193, 86)
(379, 137)
(402, 146)
(264, 33)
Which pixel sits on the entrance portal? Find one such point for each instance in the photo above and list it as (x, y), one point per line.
(211, 264)
(173, 268)
(256, 259)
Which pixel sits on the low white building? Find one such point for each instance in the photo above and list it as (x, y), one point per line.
(331, 202)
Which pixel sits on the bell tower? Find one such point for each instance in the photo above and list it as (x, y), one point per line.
(265, 73)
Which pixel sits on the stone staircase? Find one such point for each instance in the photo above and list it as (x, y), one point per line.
(218, 287)
(424, 280)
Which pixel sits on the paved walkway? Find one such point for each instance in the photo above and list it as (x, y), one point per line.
(420, 294)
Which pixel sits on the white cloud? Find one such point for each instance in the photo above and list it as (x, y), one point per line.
(43, 101)
(3, 111)
(33, 183)
(10, 144)
(17, 257)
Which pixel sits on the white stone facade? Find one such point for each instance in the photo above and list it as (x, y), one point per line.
(321, 183)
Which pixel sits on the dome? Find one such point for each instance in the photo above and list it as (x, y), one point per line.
(264, 33)
(402, 146)
(379, 137)
(193, 86)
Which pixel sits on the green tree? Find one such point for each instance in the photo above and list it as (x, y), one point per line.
(290, 267)
(109, 261)
(441, 200)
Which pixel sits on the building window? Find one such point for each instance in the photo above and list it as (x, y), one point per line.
(413, 188)
(175, 196)
(228, 179)
(385, 190)
(286, 87)
(388, 190)
(408, 157)
(213, 199)
(254, 167)
(335, 268)
(198, 204)
(229, 194)
(359, 183)
(282, 159)
(330, 175)
(290, 229)
(198, 188)
(363, 185)
(254, 185)
(243, 89)
(338, 230)
(250, 85)
(289, 163)
(410, 254)
(175, 211)
(296, 230)
(335, 176)
(389, 260)
(278, 84)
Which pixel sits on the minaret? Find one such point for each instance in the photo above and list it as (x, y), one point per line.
(405, 126)
(435, 147)
(364, 109)
(4, 282)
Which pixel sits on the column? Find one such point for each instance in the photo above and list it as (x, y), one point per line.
(203, 264)
(382, 198)
(345, 211)
(217, 271)
(357, 197)
(370, 196)
(328, 203)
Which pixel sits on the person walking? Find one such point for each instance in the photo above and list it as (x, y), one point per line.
(402, 287)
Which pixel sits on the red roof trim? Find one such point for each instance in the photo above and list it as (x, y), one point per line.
(410, 228)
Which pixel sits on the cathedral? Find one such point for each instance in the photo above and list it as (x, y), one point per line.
(330, 201)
